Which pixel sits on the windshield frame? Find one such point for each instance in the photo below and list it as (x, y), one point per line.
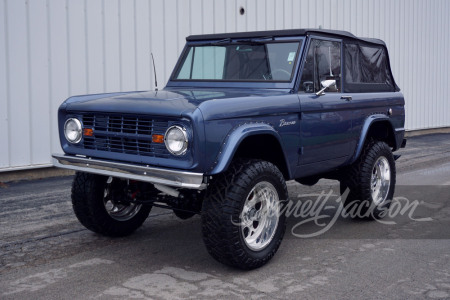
(174, 82)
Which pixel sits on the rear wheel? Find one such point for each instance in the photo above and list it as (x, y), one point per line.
(242, 222)
(104, 205)
(370, 182)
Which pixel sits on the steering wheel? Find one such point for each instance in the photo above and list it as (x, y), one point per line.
(282, 73)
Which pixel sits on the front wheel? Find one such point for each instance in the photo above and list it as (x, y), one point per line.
(103, 205)
(242, 220)
(370, 182)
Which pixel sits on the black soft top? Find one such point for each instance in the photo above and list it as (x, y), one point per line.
(281, 33)
(367, 68)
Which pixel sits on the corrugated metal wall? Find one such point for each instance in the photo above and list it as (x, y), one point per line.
(51, 49)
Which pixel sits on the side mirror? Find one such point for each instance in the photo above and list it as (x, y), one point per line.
(325, 85)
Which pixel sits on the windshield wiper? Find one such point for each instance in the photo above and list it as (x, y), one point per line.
(262, 40)
(258, 41)
(220, 42)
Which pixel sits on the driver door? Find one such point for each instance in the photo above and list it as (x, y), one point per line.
(326, 119)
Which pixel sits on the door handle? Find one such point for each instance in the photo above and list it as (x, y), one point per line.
(346, 98)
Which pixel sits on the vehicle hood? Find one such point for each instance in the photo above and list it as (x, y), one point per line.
(167, 102)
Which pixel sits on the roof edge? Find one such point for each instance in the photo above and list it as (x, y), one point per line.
(280, 33)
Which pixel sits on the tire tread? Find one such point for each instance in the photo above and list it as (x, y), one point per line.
(223, 200)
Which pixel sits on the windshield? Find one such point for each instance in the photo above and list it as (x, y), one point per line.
(239, 62)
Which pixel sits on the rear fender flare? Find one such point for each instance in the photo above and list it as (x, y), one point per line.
(365, 130)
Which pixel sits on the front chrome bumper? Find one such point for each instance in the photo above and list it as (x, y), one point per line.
(130, 171)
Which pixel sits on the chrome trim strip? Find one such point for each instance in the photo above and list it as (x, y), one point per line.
(130, 171)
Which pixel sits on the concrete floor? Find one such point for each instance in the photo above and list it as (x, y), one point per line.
(46, 254)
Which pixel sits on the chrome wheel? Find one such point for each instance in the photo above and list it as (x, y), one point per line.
(380, 180)
(118, 211)
(260, 214)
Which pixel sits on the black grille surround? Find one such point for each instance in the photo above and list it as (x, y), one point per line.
(125, 134)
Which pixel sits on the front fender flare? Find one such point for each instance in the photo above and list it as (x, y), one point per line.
(234, 140)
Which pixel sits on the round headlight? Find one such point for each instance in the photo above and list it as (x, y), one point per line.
(72, 130)
(176, 140)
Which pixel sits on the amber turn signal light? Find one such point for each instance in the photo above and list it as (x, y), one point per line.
(88, 132)
(158, 138)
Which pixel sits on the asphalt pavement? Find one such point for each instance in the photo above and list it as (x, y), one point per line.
(46, 254)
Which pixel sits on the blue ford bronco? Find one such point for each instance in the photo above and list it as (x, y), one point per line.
(241, 114)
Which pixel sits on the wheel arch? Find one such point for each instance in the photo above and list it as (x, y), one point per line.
(256, 141)
(378, 127)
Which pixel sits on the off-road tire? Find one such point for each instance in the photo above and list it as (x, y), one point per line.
(87, 201)
(224, 202)
(357, 178)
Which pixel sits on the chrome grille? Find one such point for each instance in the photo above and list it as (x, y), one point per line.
(125, 134)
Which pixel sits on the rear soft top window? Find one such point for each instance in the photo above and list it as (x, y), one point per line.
(367, 69)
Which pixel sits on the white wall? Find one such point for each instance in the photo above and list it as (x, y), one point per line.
(51, 49)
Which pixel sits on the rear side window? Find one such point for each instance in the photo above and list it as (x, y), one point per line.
(366, 69)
